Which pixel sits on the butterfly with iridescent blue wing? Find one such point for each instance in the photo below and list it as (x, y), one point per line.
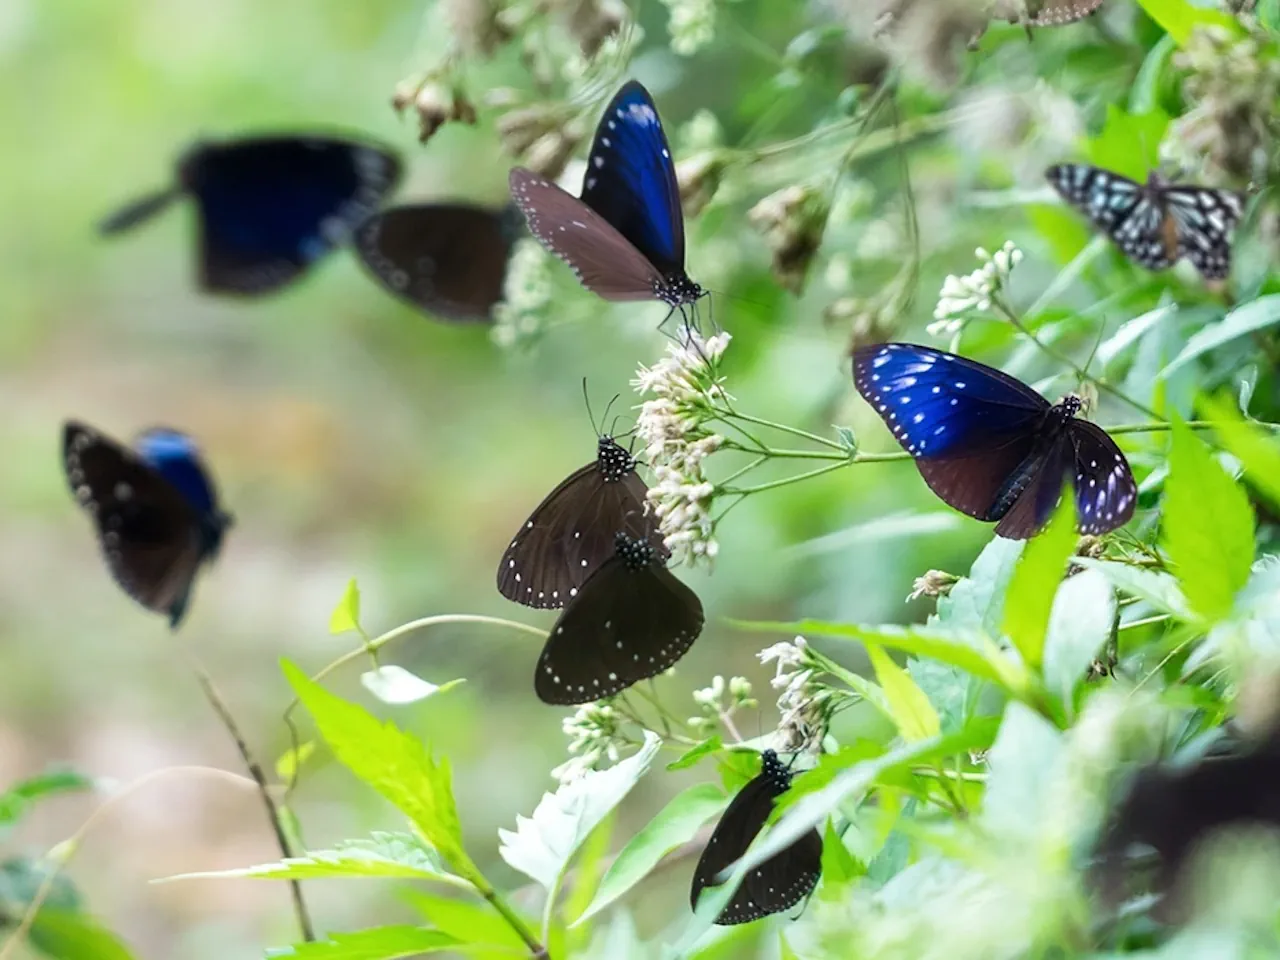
(780, 882)
(624, 238)
(269, 207)
(1158, 222)
(155, 508)
(990, 446)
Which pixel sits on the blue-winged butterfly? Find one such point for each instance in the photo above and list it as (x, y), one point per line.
(992, 447)
(270, 206)
(573, 530)
(624, 238)
(1156, 223)
(780, 882)
(630, 620)
(446, 259)
(155, 508)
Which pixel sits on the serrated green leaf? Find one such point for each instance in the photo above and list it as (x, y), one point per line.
(1080, 623)
(1179, 18)
(1161, 590)
(912, 712)
(397, 686)
(18, 799)
(675, 824)
(67, 935)
(839, 866)
(541, 846)
(1257, 450)
(397, 765)
(977, 600)
(695, 753)
(1241, 322)
(346, 615)
(1035, 582)
(473, 923)
(376, 943)
(1207, 526)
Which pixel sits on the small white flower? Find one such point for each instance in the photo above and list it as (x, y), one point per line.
(527, 296)
(692, 24)
(962, 297)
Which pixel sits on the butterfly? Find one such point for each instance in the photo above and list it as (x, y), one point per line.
(1158, 222)
(992, 447)
(270, 206)
(155, 508)
(572, 532)
(780, 882)
(1043, 13)
(449, 260)
(631, 620)
(624, 238)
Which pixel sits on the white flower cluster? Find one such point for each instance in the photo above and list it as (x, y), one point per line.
(594, 733)
(684, 385)
(801, 700)
(961, 297)
(527, 294)
(711, 702)
(692, 24)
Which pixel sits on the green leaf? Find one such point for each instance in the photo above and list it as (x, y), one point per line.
(542, 845)
(376, 943)
(1241, 322)
(695, 753)
(1020, 762)
(67, 935)
(1062, 228)
(912, 712)
(290, 762)
(346, 615)
(895, 526)
(1035, 581)
(675, 824)
(1083, 614)
(384, 855)
(397, 686)
(1256, 449)
(1129, 143)
(846, 439)
(1208, 526)
(977, 600)
(18, 799)
(839, 866)
(1131, 331)
(1179, 18)
(468, 921)
(1158, 589)
(394, 763)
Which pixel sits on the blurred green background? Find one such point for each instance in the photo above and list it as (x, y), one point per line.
(353, 437)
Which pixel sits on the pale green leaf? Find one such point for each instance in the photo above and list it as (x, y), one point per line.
(977, 600)
(1242, 321)
(542, 845)
(695, 753)
(895, 526)
(1207, 526)
(346, 615)
(912, 712)
(1161, 590)
(1129, 143)
(19, 798)
(1080, 623)
(839, 866)
(397, 686)
(1131, 331)
(290, 762)
(1025, 752)
(68, 935)
(397, 765)
(376, 943)
(1180, 17)
(1035, 581)
(675, 824)
(1256, 449)
(471, 921)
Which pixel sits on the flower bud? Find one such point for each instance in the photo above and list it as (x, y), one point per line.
(699, 178)
(437, 105)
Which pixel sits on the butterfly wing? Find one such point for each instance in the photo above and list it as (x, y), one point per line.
(270, 207)
(1047, 13)
(1105, 490)
(449, 260)
(150, 534)
(624, 625)
(631, 179)
(1125, 210)
(1205, 218)
(1033, 490)
(603, 260)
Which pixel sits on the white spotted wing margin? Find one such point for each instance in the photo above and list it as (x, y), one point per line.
(780, 882)
(572, 531)
(626, 624)
(1105, 490)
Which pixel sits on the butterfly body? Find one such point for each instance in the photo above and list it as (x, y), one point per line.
(1155, 223)
(989, 445)
(775, 885)
(624, 237)
(631, 620)
(572, 532)
(269, 207)
(155, 509)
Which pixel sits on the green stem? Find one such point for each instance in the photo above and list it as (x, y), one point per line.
(786, 481)
(794, 431)
(1193, 424)
(1145, 621)
(766, 452)
(536, 949)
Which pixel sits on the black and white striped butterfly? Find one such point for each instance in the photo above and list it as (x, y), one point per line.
(1158, 222)
(1043, 13)
(780, 882)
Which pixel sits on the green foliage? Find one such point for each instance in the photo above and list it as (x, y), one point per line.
(346, 615)
(1035, 582)
(376, 943)
(17, 800)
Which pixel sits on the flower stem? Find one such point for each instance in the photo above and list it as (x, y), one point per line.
(786, 481)
(794, 431)
(536, 949)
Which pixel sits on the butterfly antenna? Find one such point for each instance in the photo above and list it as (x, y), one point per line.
(586, 398)
(609, 406)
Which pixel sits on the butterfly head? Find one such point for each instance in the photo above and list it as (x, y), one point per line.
(636, 552)
(678, 291)
(1069, 406)
(772, 767)
(613, 461)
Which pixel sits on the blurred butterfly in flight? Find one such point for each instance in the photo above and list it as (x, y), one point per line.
(271, 206)
(573, 531)
(992, 447)
(630, 620)
(155, 508)
(446, 259)
(780, 882)
(624, 238)
(1156, 223)
(1043, 13)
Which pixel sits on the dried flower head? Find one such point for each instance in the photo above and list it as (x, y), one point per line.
(476, 25)
(935, 583)
(437, 104)
(792, 220)
(592, 22)
(699, 176)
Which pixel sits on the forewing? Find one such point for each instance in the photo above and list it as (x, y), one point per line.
(973, 482)
(623, 626)
(449, 260)
(631, 179)
(1105, 490)
(1122, 208)
(1205, 218)
(150, 535)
